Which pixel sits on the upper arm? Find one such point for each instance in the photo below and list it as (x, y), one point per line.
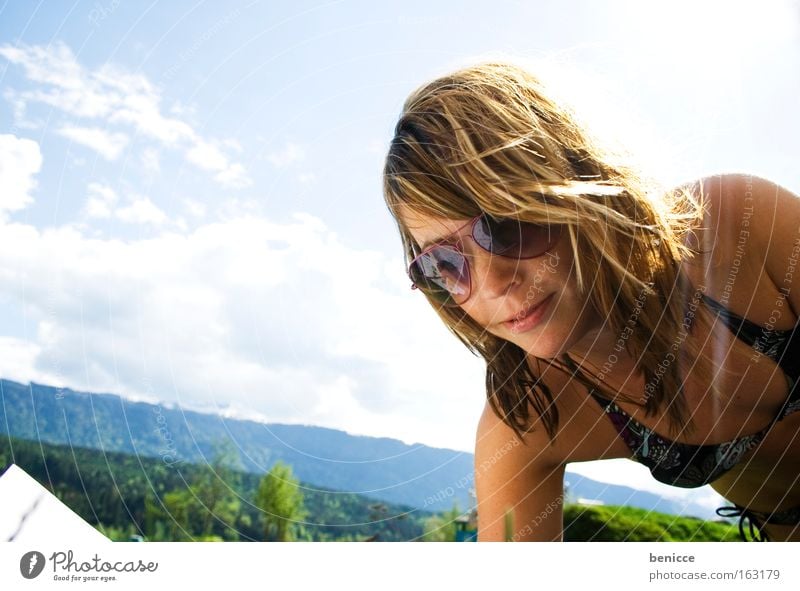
(523, 479)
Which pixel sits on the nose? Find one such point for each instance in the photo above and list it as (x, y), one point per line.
(492, 276)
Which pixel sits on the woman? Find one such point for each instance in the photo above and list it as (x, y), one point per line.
(616, 319)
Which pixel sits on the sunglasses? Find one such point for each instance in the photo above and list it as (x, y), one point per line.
(441, 271)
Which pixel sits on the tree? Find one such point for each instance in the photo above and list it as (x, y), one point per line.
(281, 501)
(207, 507)
(442, 528)
(216, 491)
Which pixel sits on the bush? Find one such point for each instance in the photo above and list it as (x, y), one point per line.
(628, 524)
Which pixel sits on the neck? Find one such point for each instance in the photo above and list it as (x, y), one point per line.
(600, 354)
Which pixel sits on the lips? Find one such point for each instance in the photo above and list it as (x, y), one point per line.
(525, 312)
(528, 318)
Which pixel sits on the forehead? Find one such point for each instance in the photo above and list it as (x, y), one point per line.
(426, 229)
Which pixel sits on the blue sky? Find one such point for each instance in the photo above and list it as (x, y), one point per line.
(191, 207)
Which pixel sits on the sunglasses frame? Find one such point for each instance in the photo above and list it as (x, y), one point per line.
(450, 303)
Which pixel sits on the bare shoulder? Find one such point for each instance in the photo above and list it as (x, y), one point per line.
(728, 212)
(739, 205)
(750, 240)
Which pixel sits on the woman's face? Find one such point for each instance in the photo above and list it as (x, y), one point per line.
(533, 303)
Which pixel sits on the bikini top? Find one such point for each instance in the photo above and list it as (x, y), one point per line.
(690, 466)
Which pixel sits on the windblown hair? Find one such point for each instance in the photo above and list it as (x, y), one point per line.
(488, 138)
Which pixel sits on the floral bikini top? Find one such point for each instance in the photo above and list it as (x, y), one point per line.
(690, 466)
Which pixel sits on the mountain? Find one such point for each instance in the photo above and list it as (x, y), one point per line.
(126, 495)
(387, 469)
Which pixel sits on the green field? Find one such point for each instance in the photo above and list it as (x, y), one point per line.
(123, 495)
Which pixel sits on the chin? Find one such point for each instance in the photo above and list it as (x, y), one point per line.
(542, 344)
(551, 342)
(546, 350)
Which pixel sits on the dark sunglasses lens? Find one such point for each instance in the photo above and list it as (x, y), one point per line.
(512, 238)
(442, 273)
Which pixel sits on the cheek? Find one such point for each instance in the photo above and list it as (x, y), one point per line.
(479, 313)
(558, 267)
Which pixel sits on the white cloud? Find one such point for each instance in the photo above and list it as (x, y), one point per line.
(210, 157)
(287, 155)
(280, 320)
(234, 176)
(119, 98)
(195, 208)
(142, 112)
(18, 362)
(141, 211)
(150, 161)
(18, 106)
(306, 178)
(233, 145)
(20, 161)
(109, 145)
(72, 88)
(207, 156)
(100, 202)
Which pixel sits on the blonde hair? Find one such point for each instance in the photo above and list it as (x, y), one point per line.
(487, 138)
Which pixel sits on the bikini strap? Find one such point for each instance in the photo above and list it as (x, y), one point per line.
(756, 533)
(577, 375)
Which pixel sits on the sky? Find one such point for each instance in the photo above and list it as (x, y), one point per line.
(191, 208)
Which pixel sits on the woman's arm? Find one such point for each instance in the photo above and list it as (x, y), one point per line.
(525, 480)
